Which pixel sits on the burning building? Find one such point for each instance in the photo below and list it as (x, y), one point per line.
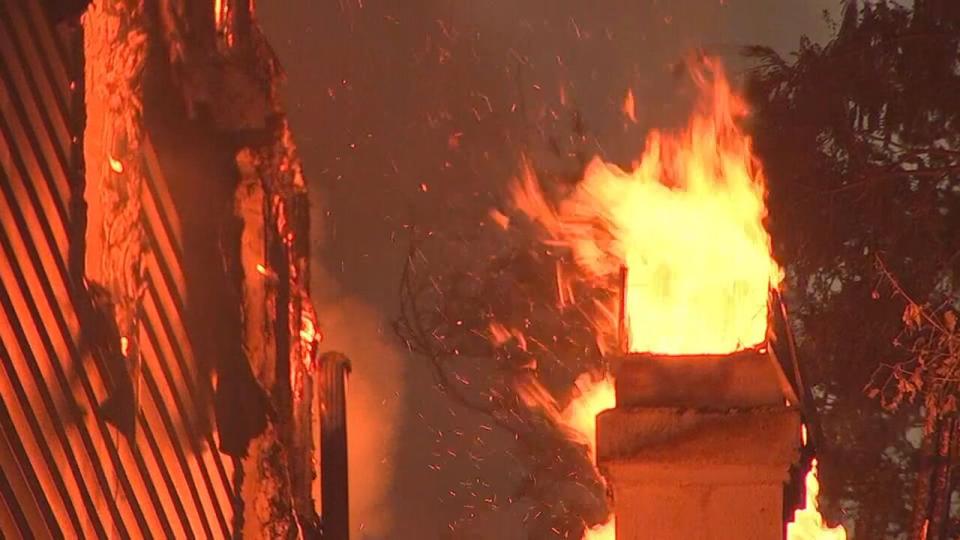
(160, 357)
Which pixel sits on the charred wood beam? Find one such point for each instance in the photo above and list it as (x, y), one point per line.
(266, 491)
(116, 52)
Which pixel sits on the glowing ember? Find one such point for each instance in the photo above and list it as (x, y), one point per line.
(687, 224)
(308, 330)
(310, 338)
(501, 334)
(115, 164)
(629, 108)
(807, 522)
(581, 417)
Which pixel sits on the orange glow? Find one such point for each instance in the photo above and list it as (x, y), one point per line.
(807, 522)
(686, 221)
(220, 14)
(124, 346)
(677, 241)
(310, 336)
(593, 398)
(115, 164)
(501, 334)
(308, 332)
(629, 107)
(581, 417)
(605, 531)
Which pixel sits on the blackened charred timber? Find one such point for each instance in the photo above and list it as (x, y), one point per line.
(332, 387)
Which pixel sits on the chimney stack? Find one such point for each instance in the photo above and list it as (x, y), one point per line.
(699, 447)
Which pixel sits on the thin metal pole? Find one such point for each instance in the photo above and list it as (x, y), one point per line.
(334, 480)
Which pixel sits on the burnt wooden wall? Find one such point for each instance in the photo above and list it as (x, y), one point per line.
(64, 471)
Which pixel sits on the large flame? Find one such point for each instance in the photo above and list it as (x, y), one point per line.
(686, 223)
(807, 522)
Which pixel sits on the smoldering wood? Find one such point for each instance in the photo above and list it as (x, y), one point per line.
(116, 54)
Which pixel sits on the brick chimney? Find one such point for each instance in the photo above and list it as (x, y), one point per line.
(699, 447)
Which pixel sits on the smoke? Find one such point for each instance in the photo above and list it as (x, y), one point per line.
(373, 404)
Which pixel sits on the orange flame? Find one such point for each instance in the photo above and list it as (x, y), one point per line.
(629, 107)
(605, 531)
(581, 414)
(115, 164)
(681, 235)
(687, 224)
(581, 417)
(807, 522)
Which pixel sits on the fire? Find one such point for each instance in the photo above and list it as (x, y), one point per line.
(605, 531)
(115, 164)
(678, 239)
(687, 224)
(807, 522)
(581, 417)
(629, 107)
(581, 414)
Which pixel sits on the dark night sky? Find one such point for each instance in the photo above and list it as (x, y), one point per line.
(388, 95)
